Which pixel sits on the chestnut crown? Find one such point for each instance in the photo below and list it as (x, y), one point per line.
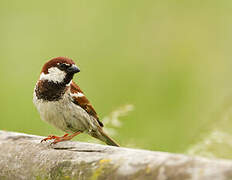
(62, 63)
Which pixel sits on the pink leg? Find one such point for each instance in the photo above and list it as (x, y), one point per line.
(50, 137)
(65, 138)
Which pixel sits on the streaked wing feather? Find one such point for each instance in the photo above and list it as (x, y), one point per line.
(83, 102)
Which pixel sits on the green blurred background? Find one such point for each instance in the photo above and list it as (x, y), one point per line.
(170, 59)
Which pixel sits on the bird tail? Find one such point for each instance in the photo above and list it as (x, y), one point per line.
(101, 135)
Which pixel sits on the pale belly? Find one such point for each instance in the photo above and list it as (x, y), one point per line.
(66, 116)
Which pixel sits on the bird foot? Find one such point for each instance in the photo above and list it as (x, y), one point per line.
(57, 139)
(51, 137)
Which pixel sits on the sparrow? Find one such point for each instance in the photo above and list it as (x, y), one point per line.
(62, 103)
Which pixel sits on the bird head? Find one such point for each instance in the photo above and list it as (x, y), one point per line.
(59, 70)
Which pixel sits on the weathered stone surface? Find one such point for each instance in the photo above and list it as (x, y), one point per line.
(22, 157)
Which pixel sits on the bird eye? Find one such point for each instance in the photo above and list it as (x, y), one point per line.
(62, 66)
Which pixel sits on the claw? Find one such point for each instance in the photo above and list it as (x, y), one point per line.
(57, 139)
(66, 137)
(50, 137)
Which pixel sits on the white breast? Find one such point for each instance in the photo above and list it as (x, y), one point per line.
(65, 115)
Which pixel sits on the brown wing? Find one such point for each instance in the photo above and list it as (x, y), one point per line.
(82, 101)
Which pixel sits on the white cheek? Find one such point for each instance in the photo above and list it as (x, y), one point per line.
(54, 74)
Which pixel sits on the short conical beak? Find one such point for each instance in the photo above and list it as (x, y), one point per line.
(73, 69)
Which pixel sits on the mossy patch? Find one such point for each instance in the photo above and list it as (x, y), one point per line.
(105, 170)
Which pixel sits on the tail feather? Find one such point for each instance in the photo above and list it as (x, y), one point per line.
(105, 138)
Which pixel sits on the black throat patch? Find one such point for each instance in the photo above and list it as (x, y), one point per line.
(50, 91)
